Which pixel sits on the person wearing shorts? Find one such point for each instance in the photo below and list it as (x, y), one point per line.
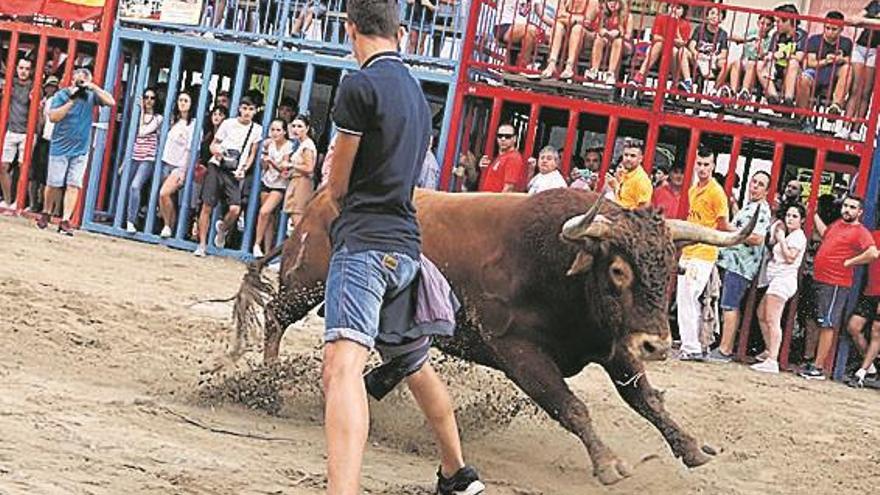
(742, 262)
(845, 244)
(71, 112)
(706, 53)
(864, 63)
(867, 313)
(40, 163)
(783, 63)
(828, 71)
(789, 246)
(16, 129)
(383, 123)
(234, 145)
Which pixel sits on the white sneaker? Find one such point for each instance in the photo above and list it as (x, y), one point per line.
(130, 228)
(4, 204)
(842, 133)
(855, 135)
(872, 370)
(258, 253)
(166, 232)
(199, 252)
(768, 366)
(220, 236)
(610, 79)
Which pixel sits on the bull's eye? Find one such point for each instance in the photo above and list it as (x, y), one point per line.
(621, 274)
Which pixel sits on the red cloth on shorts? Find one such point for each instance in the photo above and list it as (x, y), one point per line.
(506, 169)
(872, 288)
(684, 27)
(841, 242)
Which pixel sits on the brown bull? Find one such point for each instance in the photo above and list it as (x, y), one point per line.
(546, 289)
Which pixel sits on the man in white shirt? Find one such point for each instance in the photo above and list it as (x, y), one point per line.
(548, 176)
(233, 149)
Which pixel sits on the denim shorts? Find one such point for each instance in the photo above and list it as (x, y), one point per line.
(357, 285)
(66, 171)
(831, 304)
(733, 289)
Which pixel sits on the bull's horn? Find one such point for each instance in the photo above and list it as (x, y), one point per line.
(684, 232)
(583, 226)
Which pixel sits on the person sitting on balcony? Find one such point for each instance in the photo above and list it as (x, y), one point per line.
(514, 28)
(611, 30)
(682, 28)
(571, 20)
(864, 61)
(828, 68)
(633, 189)
(143, 155)
(275, 162)
(313, 9)
(548, 176)
(785, 59)
(707, 50)
(743, 73)
(176, 160)
(418, 21)
(505, 173)
(867, 312)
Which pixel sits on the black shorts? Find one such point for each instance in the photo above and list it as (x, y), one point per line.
(831, 304)
(220, 186)
(266, 189)
(500, 31)
(867, 307)
(417, 17)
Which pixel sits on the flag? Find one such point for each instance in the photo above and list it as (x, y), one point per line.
(65, 10)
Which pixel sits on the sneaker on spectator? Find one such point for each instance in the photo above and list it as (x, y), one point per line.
(199, 252)
(130, 228)
(261, 42)
(638, 79)
(811, 372)
(716, 356)
(166, 232)
(610, 78)
(699, 357)
(686, 85)
(762, 357)
(220, 236)
(258, 253)
(872, 370)
(842, 132)
(591, 74)
(744, 95)
(64, 228)
(208, 36)
(43, 221)
(768, 366)
(834, 109)
(466, 481)
(857, 380)
(808, 126)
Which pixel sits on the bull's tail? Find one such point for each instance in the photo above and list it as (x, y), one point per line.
(256, 291)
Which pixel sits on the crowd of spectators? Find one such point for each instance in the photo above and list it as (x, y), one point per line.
(772, 59)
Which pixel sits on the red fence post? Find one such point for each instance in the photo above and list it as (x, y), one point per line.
(33, 117)
(7, 95)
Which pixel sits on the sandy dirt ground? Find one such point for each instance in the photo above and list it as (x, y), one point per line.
(102, 394)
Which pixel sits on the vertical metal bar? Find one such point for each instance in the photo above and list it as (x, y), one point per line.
(11, 58)
(201, 108)
(532, 130)
(106, 166)
(776, 170)
(608, 151)
(570, 135)
(693, 144)
(253, 205)
(123, 130)
(665, 64)
(650, 148)
(870, 144)
(167, 115)
(105, 42)
(30, 136)
(69, 62)
(103, 141)
(238, 87)
(494, 121)
(121, 199)
(305, 89)
(735, 151)
(813, 200)
(445, 127)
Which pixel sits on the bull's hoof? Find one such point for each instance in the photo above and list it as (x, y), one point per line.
(612, 471)
(698, 456)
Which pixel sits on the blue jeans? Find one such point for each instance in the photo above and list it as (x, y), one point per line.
(357, 285)
(733, 290)
(143, 173)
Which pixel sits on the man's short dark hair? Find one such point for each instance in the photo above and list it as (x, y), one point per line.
(705, 152)
(26, 59)
(835, 14)
(764, 173)
(855, 197)
(634, 143)
(375, 17)
(247, 100)
(288, 102)
(788, 8)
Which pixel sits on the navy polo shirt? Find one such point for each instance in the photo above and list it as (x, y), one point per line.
(384, 105)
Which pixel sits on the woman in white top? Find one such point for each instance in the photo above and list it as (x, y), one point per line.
(789, 244)
(275, 161)
(175, 160)
(548, 176)
(302, 162)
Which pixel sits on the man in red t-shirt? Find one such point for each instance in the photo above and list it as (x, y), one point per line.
(867, 312)
(845, 244)
(668, 194)
(505, 173)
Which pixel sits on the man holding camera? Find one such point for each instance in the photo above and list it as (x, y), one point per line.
(233, 149)
(71, 110)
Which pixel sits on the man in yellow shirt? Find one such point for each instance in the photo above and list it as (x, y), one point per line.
(635, 188)
(708, 207)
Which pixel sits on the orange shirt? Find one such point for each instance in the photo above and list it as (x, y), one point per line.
(635, 189)
(708, 205)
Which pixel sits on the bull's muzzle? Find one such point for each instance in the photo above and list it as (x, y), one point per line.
(650, 347)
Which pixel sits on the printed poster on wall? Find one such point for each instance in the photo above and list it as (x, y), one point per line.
(170, 11)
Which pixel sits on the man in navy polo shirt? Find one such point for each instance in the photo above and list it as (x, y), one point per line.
(384, 125)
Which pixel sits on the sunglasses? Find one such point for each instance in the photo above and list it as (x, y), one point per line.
(505, 136)
(149, 97)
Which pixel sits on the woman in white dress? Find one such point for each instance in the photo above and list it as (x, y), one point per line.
(789, 244)
(175, 160)
(276, 150)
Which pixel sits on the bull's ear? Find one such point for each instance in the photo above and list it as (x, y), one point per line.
(582, 263)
